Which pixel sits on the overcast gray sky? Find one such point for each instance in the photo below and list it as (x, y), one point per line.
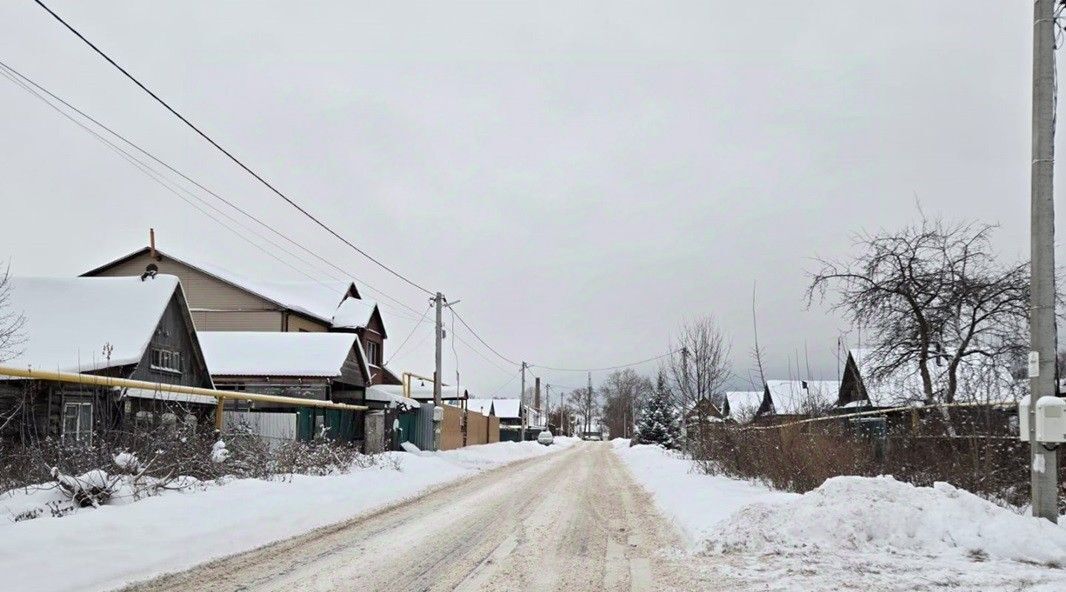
(584, 176)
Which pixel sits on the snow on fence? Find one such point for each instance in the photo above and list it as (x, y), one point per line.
(272, 427)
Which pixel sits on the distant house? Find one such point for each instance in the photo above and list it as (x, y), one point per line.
(741, 406)
(221, 300)
(320, 366)
(125, 327)
(787, 400)
(703, 409)
(979, 381)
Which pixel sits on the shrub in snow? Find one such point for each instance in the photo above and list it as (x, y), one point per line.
(658, 423)
(855, 514)
(219, 454)
(93, 488)
(127, 461)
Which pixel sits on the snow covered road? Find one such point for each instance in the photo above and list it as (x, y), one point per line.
(574, 520)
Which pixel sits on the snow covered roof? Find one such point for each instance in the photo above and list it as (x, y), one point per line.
(506, 408)
(979, 380)
(386, 395)
(743, 404)
(70, 320)
(482, 406)
(262, 353)
(317, 299)
(801, 397)
(354, 313)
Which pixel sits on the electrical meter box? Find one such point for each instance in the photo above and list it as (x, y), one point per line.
(1023, 418)
(1050, 419)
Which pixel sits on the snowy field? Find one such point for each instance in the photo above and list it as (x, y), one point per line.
(105, 548)
(851, 533)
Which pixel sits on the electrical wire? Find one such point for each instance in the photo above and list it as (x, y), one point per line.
(347, 276)
(483, 342)
(229, 154)
(618, 367)
(408, 338)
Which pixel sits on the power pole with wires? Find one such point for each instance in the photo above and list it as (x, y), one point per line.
(522, 403)
(438, 410)
(1044, 469)
(588, 406)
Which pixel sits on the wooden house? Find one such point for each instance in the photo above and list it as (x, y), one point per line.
(221, 300)
(128, 327)
(790, 400)
(322, 366)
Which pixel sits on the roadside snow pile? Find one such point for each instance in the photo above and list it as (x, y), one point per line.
(175, 530)
(884, 515)
(696, 503)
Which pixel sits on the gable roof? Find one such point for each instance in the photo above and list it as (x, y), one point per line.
(316, 299)
(742, 404)
(355, 313)
(264, 353)
(979, 380)
(802, 397)
(68, 321)
(482, 406)
(506, 408)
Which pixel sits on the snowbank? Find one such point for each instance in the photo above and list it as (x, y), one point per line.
(694, 502)
(101, 549)
(882, 514)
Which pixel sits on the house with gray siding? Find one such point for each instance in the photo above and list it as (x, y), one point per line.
(221, 300)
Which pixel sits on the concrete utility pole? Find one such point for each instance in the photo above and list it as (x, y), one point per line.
(536, 394)
(588, 406)
(522, 402)
(437, 373)
(1042, 331)
(548, 406)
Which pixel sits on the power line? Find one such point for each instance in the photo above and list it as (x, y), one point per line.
(618, 367)
(22, 81)
(483, 342)
(228, 154)
(408, 338)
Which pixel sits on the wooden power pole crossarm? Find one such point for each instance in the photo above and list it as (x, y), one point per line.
(1043, 379)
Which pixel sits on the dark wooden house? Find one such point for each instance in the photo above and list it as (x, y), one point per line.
(321, 366)
(130, 327)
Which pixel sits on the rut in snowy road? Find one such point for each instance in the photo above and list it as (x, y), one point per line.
(568, 521)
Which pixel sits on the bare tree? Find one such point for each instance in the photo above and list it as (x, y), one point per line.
(700, 369)
(11, 339)
(935, 297)
(624, 393)
(11, 321)
(583, 401)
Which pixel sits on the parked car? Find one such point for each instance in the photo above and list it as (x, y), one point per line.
(545, 438)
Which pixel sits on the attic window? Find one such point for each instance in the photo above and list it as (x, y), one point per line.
(166, 360)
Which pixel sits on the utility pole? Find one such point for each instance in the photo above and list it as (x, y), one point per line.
(522, 402)
(548, 406)
(536, 394)
(438, 409)
(588, 406)
(1042, 331)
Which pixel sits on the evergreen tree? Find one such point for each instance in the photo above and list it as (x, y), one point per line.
(658, 424)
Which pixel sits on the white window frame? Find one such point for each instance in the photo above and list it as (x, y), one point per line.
(165, 360)
(82, 433)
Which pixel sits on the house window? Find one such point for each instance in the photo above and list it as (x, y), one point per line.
(166, 360)
(78, 421)
(373, 353)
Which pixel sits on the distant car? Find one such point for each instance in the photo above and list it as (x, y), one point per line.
(593, 438)
(545, 438)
